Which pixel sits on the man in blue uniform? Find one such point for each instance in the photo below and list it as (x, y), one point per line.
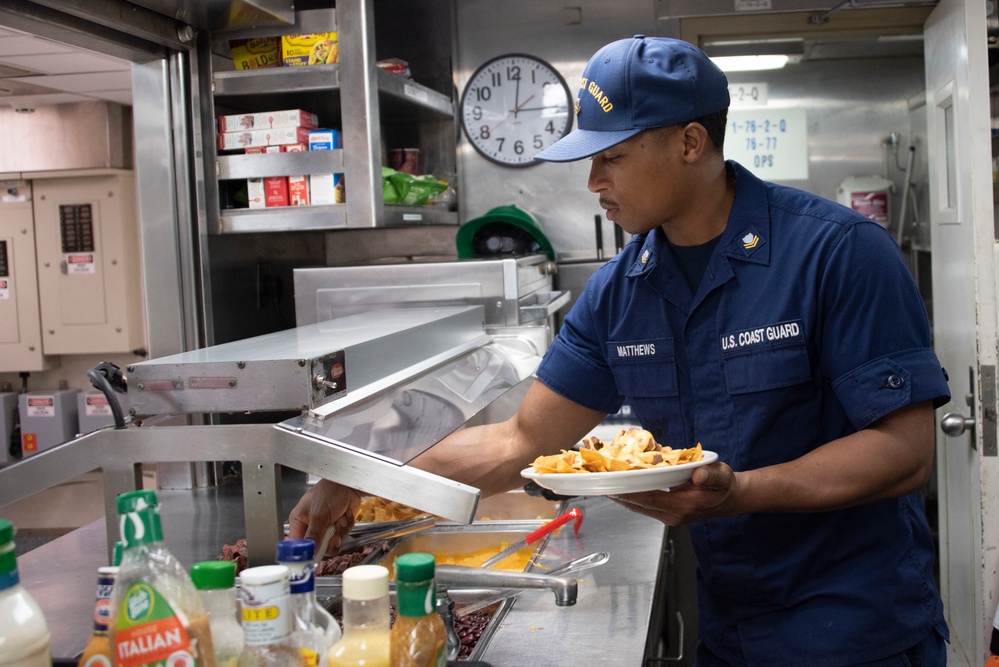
(778, 329)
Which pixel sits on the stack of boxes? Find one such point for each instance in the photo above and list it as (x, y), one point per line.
(283, 131)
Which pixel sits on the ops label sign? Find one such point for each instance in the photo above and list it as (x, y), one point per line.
(771, 143)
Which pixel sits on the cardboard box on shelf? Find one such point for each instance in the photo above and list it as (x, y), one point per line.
(326, 188)
(276, 191)
(298, 190)
(271, 137)
(256, 53)
(320, 48)
(255, 192)
(268, 120)
(298, 186)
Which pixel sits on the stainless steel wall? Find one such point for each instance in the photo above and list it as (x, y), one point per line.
(852, 106)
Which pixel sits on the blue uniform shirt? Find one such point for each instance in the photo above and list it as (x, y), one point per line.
(806, 327)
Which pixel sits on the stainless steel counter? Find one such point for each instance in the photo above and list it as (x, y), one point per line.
(609, 622)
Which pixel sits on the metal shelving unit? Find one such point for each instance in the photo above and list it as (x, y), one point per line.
(354, 94)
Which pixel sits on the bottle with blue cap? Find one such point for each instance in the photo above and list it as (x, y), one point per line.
(315, 628)
(97, 652)
(24, 634)
(157, 616)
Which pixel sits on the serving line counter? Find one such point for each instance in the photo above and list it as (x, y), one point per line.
(615, 618)
(372, 390)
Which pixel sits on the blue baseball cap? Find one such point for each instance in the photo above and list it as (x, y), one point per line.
(636, 84)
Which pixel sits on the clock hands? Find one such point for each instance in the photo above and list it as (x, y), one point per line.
(516, 98)
(515, 111)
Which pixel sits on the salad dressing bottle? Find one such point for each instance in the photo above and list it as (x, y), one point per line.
(24, 634)
(157, 616)
(366, 619)
(419, 638)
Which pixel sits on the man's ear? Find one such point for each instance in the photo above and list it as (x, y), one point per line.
(695, 141)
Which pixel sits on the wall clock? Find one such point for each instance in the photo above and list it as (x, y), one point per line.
(514, 106)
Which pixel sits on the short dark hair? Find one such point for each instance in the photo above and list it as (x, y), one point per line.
(714, 124)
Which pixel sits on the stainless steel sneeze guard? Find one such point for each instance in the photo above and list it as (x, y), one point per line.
(301, 368)
(399, 423)
(422, 404)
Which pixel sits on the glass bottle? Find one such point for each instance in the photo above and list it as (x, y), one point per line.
(97, 652)
(366, 619)
(156, 613)
(419, 638)
(24, 634)
(267, 618)
(216, 583)
(315, 628)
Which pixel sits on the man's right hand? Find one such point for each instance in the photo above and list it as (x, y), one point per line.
(325, 504)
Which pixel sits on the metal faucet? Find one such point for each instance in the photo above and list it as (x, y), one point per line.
(461, 576)
(445, 609)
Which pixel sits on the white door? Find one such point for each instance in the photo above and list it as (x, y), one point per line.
(964, 316)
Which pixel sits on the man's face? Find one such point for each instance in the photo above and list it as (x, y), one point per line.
(639, 180)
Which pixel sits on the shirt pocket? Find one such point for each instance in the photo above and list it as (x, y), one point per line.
(644, 369)
(767, 368)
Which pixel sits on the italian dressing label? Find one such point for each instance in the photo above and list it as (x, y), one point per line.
(148, 631)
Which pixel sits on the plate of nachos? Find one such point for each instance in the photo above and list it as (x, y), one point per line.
(632, 462)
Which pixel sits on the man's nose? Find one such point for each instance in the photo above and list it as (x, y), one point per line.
(595, 182)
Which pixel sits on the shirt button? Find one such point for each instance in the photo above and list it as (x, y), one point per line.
(895, 382)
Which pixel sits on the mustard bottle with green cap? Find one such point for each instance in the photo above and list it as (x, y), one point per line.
(157, 617)
(418, 638)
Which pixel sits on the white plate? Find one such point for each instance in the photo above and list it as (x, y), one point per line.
(613, 483)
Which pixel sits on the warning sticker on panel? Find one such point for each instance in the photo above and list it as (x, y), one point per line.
(80, 264)
(40, 406)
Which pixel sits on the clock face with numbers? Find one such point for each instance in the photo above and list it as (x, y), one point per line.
(513, 107)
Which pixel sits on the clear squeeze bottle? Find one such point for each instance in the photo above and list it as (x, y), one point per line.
(267, 619)
(315, 628)
(24, 634)
(366, 620)
(419, 638)
(216, 583)
(157, 616)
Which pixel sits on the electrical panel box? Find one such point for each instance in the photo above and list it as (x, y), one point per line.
(8, 418)
(48, 418)
(94, 412)
(89, 274)
(20, 320)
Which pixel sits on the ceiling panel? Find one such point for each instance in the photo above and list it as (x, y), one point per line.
(35, 71)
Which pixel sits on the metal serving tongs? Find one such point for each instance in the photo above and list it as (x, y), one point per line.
(575, 515)
(572, 567)
(399, 529)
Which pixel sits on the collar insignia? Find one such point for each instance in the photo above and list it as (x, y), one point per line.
(750, 241)
(577, 107)
(645, 257)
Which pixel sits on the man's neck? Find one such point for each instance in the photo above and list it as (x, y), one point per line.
(707, 214)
